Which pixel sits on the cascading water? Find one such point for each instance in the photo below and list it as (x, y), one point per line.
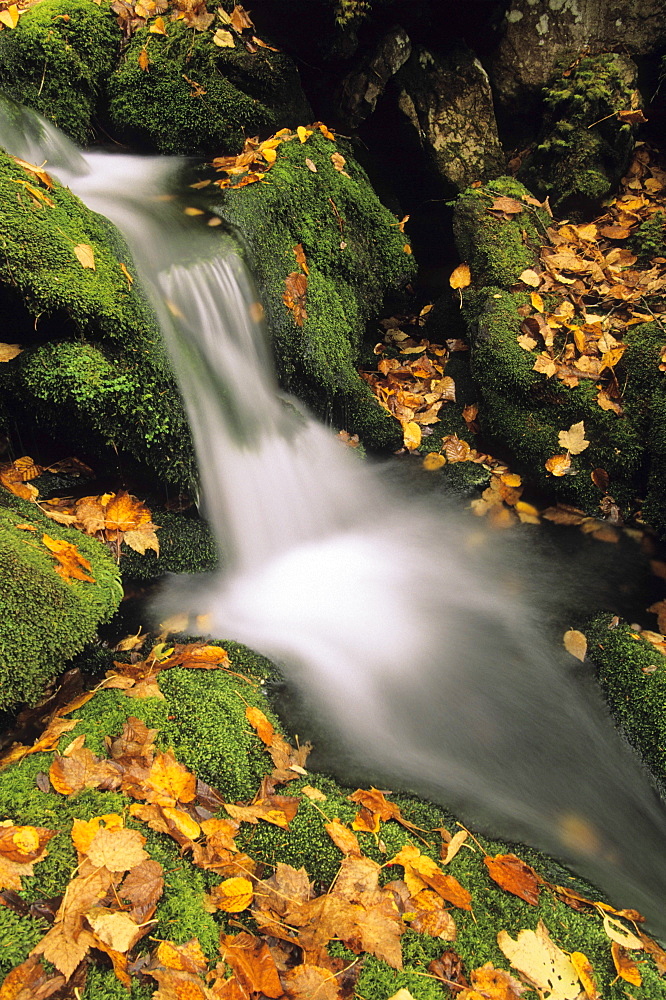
(403, 636)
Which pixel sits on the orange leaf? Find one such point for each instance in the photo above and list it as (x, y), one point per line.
(585, 973)
(558, 465)
(299, 254)
(252, 964)
(625, 966)
(460, 277)
(296, 285)
(71, 564)
(343, 837)
(514, 876)
(143, 59)
(263, 726)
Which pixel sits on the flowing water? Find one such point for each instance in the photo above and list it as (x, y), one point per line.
(405, 633)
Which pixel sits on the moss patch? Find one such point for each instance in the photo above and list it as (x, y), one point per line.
(355, 256)
(44, 618)
(196, 98)
(56, 61)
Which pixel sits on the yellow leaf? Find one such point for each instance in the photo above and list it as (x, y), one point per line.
(232, 895)
(303, 132)
(433, 460)
(224, 39)
(192, 211)
(85, 255)
(71, 564)
(460, 277)
(143, 59)
(411, 435)
(10, 16)
(530, 277)
(537, 301)
(270, 155)
(130, 279)
(575, 643)
(573, 439)
(585, 973)
(625, 966)
(158, 27)
(558, 465)
(9, 351)
(545, 965)
(620, 934)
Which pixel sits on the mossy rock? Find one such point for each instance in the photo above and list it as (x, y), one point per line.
(645, 396)
(632, 674)
(584, 148)
(44, 618)
(196, 98)
(186, 546)
(57, 59)
(202, 719)
(101, 380)
(356, 258)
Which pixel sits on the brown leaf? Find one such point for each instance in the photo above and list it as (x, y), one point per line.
(169, 782)
(508, 206)
(9, 351)
(80, 769)
(343, 837)
(310, 982)
(30, 981)
(117, 850)
(339, 162)
(276, 809)
(296, 285)
(575, 643)
(558, 465)
(142, 887)
(431, 917)
(71, 564)
(299, 254)
(422, 872)
(514, 876)
(252, 963)
(493, 984)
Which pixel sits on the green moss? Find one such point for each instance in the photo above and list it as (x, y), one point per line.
(186, 546)
(645, 396)
(18, 935)
(649, 240)
(44, 618)
(584, 148)
(497, 250)
(636, 691)
(117, 391)
(102, 984)
(355, 256)
(229, 93)
(56, 61)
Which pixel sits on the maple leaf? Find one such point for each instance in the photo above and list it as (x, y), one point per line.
(492, 984)
(168, 781)
(276, 809)
(422, 872)
(514, 876)
(376, 802)
(430, 916)
(71, 564)
(544, 965)
(78, 768)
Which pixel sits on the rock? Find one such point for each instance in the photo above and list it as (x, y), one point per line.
(522, 410)
(542, 36)
(57, 59)
(44, 618)
(362, 88)
(196, 98)
(356, 255)
(584, 148)
(93, 373)
(449, 104)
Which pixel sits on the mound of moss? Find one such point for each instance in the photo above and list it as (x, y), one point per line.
(94, 373)
(202, 720)
(522, 410)
(57, 59)
(45, 618)
(585, 148)
(356, 257)
(195, 97)
(186, 546)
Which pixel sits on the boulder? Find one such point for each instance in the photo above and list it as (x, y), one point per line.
(93, 373)
(540, 37)
(194, 97)
(356, 256)
(57, 59)
(361, 88)
(46, 618)
(448, 101)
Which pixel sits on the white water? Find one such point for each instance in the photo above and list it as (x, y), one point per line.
(403, 635)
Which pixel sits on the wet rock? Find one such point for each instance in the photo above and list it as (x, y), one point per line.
(362, 88)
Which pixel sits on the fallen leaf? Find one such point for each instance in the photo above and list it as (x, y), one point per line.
(585, 973)
(85, 255)
(10, 18)
(224, 39)
(9, 351)
(460, 277)
(558, 465)
(576, 644)
(232, 895)
(514, 876)
(293, 297)
(543, 964)
(433, 460)
(71, 564)
(411, 435)
(573, 439)
(143, 59)
(625, 966)
(530, 277)
(339, 162)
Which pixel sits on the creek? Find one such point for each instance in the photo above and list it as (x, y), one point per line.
(409, 635)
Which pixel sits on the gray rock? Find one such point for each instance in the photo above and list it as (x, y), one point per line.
(449, 103)
(542, 34)
(362, 88)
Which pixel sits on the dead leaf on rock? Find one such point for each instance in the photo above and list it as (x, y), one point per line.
(514, 876)
(576, 644)
(542, 963)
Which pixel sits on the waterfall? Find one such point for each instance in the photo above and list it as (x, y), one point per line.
(410, 641)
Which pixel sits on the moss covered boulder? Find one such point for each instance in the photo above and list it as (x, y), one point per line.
(524, 409)
(57, 59)
(93, 373)
(182, 832)
(46, 616)
(194, 96)
(585, 147)
(356, 258)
